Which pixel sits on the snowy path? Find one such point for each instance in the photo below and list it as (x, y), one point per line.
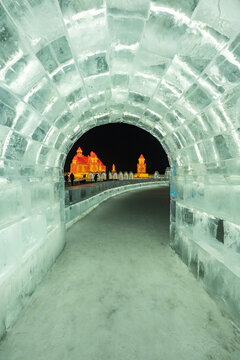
(118, 292)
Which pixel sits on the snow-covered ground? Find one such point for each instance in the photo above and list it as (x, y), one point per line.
(119, 292)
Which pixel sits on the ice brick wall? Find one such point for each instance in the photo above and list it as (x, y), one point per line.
(170, 67)
(205, 229)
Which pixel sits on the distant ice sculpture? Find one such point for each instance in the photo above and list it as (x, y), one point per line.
(120, 176)
(103, 176)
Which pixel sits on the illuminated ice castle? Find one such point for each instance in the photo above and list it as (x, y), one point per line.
(82, 165)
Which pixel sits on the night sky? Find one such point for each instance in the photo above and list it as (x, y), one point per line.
(121, 144)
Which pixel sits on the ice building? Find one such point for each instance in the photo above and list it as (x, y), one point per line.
(169, 67)
(141, 168)
(82, 165)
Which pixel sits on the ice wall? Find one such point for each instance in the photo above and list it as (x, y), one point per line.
(170, 67)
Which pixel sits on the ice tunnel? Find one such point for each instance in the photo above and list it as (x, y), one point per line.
(169, 67)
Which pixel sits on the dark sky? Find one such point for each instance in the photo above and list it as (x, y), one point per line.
(121, 144)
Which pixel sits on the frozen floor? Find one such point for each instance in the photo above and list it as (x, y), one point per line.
(118, 292)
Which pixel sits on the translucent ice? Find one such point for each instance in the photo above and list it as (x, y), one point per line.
(169, 67)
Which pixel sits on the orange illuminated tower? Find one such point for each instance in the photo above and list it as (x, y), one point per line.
(113, 168)
(141, 168)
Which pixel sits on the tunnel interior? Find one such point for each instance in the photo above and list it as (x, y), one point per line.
(169, 67)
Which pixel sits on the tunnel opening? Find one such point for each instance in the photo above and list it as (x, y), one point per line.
(108, 160)
(121, 144)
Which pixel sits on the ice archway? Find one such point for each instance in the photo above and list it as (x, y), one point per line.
(170, 67)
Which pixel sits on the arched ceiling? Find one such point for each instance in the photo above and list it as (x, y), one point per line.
(170, 67)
